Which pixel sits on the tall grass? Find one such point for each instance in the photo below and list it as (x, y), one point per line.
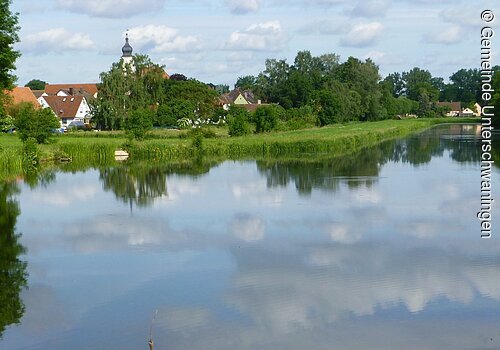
(85, 150)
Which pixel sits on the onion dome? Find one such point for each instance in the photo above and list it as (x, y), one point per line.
(127, 49)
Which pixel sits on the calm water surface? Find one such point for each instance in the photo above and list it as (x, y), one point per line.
(379, 250)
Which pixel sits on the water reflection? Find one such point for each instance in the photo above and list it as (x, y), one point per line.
(141, 184)
(362, 168)
(380, 253)
(12, 270)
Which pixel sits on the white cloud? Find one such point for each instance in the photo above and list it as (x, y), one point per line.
(268, 36)
(247, 228)
(111, 8)
(452, 35)
(160, 38)
(243, 6)
(367, 195)
(324, 27)
(372, 8)
(257, 193)
(362, 35)
(70, 196)
(56, 40)
(342, 233)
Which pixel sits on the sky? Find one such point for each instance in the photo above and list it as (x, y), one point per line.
(73, 41)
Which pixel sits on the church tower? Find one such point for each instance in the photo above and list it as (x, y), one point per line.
(127, 54)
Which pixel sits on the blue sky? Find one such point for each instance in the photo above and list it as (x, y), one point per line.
(69, 41)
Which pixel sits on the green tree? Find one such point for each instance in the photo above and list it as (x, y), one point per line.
(465, 86)
(418, 81)
(246, 82)
(363, 77)
(13, 275)
(36, 84)
(8, 37)
(35, 123)
(193, 99)
(139, 122)
(336, 103)
(266, 118)
(123, 89)
(238, 121)
(395, 83)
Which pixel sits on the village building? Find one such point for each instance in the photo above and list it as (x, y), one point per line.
(242, 98)
(127, 58)
(68, 108)
(455, 108)
(22, 95)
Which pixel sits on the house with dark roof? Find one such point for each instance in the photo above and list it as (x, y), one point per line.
(455, 108)
(242, 98)
(68, 108)
(38, 93)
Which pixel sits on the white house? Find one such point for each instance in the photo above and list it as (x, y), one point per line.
(68, 108)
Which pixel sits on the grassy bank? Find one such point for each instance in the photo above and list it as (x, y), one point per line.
(93, 149)
(332, 140)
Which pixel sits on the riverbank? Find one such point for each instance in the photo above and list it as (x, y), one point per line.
(94, 149)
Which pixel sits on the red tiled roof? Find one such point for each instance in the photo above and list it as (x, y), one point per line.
(53, 89)
(22, 94)
(64, 106)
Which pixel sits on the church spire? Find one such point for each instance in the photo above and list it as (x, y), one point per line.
(126, 49)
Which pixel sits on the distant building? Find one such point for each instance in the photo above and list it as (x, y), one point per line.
(127, 57)
(68, 108)
(245, 99)
(77, 89)
(479, 109)
(455, 108)
(467, 112)
(22, 94)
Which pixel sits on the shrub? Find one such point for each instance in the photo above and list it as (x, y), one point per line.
(238, 121)
(205, 132)
(138, 123)
(35, 123)
(266, 118)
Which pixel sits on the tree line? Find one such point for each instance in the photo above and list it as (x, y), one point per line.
(354, 89)
(313, 90)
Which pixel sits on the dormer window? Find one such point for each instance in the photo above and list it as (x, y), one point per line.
(64, 99)
(72, 99)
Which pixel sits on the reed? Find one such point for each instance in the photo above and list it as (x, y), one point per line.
(87, 150)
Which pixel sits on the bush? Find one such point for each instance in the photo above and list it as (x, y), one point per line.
(205, 132)
(35, 123)
(266, 118)
(238, 121)
(138, 123)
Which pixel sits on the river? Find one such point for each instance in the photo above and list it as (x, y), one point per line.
(377, 250)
